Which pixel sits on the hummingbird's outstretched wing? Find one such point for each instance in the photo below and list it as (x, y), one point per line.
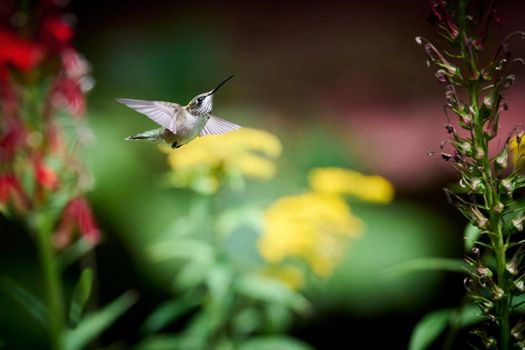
(162, 113)
(217, 126)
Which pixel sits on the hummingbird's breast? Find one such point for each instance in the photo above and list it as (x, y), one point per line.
(189, 126)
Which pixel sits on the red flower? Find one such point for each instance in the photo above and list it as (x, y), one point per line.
(55, 138)
(45, 176)
(57, 29)
(14, 135)
(443, 17)
(67, 93)
(75, 65)
(21, 53)
(11, 190)
(76, 214)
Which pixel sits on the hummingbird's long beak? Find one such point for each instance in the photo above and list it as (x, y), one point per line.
(221, 84)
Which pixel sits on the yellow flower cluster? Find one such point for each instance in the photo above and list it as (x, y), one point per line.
(206, 162)
(316, 226)
(518, 150)
(313, 226)
(373, 188)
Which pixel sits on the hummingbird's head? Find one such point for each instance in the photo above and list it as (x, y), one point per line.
(202, 104)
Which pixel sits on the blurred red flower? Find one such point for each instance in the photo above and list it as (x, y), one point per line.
(45, 176)
(57, 29)
(76, 214)
(21, 53)
(13, 135)
(67, 93)
(11, 190)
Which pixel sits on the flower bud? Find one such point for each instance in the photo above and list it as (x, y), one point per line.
(519, 285)
(479, 153)
(516, 331)
(508, 185)
(501, 159)
(481, 221)
(518, 222)
(465, 147)
(497, 292)
(512, 267)
(484, 272)
(498, 208)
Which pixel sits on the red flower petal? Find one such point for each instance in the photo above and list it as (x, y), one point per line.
(22, 54)
(45, 176)
(67, 93)
(58, 29)
(13, 137)
(11, 190)
(77, 213)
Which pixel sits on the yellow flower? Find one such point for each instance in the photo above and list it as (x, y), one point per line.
(343, 181)
(518, 150)
(206, 162)
(312, 226)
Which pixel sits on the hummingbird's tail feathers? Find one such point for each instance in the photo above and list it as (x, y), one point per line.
(162, 113)
(150, 135)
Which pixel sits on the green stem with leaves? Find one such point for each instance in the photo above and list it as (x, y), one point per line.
(491, 196)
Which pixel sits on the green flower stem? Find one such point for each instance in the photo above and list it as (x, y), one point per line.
(42, 229)
(491, 194)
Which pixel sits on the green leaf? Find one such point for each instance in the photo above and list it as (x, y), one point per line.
(26, 299)
(232, 218)
(80, 297)
(74, 252)
(192, 274)
(469, 315)
(171, 342)
(471, 235)
(429, 328)
(219, 282)
(271, 291)
(422, 264)
(274, 342)
(518, 303)
(182, 248)
(95, 323)
(432, 325)
(200, 326)
(168, 312)
(278, 318)
(247, 320)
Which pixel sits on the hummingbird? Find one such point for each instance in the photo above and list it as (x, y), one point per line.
(180, 124)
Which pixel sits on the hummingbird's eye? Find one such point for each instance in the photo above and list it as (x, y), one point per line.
(200, 99)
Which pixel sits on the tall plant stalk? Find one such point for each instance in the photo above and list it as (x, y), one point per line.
(487, 189)
(51, 273)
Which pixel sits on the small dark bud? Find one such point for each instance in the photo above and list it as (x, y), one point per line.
(467, 282)
(450, 129)
(446, 156)
(441, 76)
